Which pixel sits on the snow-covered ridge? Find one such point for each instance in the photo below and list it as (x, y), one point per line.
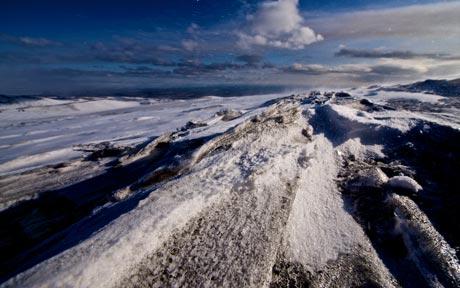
(448, 88)
(297, 190)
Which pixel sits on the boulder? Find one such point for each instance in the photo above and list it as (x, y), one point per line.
(229, 114)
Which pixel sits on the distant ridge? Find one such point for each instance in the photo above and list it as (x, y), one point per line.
(191, 92)
(7, 99)
(447, 88)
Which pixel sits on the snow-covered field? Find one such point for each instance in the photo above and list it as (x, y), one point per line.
(321, 189)
(43, 132)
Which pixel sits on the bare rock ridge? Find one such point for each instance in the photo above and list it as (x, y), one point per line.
(317, 190)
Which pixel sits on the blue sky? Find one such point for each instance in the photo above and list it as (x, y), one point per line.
(69, 46)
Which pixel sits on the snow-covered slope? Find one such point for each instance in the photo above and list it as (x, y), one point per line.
(297, 191)
(448, 88)
(37, 133)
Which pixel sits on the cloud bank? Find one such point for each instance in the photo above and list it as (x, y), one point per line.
(430, 20)
(381, 53)
(27, 41)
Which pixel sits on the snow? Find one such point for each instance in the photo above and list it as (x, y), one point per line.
(264, 185)
(260, 162)
(405, 183)
(417, 231)
(319, 229)
(40, 127)
(355, 147)
(394, 119)
(45, 127)
(24, 163)
(261, 166)
(44, 108)
(401, 120)
(382, 96)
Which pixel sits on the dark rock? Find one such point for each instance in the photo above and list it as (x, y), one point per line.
(229, 114)
(342, 95)
(192, 125)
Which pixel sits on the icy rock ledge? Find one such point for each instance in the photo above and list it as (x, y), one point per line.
(372, 177)
(404, 183)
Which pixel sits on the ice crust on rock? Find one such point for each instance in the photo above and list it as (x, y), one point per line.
(404, 183)
(229, 114)
(372, 177)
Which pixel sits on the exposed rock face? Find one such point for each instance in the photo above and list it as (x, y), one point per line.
(342, 95)
(301, 195)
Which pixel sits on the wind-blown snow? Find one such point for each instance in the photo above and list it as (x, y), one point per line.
(261, 189)
(41, 129)
(382, 96)
(259, 164)
(319, 229)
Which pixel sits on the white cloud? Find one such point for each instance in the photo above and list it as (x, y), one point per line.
(385, 70)
(28, 41)
(189, 45)
(427, 20)
(383, 67)
(278, 24)
(193, 28)
(322, 69)
(417, 65)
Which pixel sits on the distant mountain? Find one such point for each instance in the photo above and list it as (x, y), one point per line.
(161, 93)
(7, 99)
(448, 88)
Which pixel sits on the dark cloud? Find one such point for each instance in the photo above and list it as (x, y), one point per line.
(353, 69)
(28, 41)
(19, 58)
(180, 69)
(250, 59)
(196, 67)
(130, 52)
(359, 74)
(378, 53)
(192, 67)
(140, 71)
(317, 69)
(72, 73)
(143, 71)
(393, 70)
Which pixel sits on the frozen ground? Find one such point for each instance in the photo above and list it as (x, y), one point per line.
(43, 132)
(310, 190)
